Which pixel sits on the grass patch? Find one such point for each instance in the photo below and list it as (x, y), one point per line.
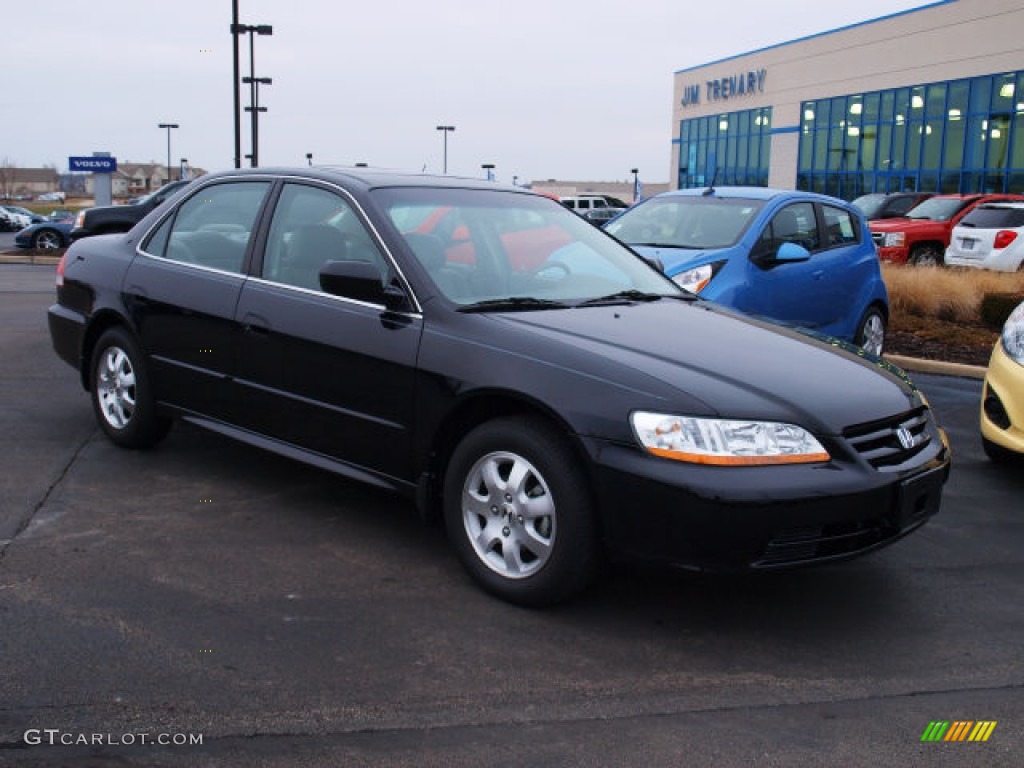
(947, 294)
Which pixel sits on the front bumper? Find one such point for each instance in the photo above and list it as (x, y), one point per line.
(895, 255)
(753, 518)
(1002, 402)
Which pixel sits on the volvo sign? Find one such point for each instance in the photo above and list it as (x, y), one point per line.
(93, 164)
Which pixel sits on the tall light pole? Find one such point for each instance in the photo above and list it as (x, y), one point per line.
(252, 30)
(636, 184)
(255, 110)
(488, 171)
(309, 158)
(168, 126)
(237, 97)
(446, 129)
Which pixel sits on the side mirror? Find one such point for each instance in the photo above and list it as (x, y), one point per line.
(358, 280)
(792, 252)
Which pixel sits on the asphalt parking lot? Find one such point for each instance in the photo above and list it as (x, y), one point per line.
(289, 618)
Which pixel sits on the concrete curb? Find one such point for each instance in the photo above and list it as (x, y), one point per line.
(912, 364)
(920, 365)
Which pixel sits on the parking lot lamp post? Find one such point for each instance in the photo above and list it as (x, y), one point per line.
(252, 30)
(636, 184)
(309, 158)
(255, 109)
(168, 126)
(446, 130)
(488, 171)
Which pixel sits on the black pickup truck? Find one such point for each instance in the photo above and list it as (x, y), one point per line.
(107, 219)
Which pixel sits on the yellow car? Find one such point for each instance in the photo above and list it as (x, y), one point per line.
(1002, 398)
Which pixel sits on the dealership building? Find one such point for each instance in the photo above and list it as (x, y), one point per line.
(930, 99)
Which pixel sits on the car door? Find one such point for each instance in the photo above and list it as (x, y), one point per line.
(793, 292)
(325, 373)
(182, 289)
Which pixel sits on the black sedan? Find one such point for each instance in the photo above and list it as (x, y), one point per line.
(512, 368)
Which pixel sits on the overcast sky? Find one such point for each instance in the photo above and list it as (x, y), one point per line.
(569, 89)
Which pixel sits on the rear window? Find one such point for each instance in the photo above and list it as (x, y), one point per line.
(994, 217)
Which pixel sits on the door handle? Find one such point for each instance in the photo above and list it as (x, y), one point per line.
(253, 323)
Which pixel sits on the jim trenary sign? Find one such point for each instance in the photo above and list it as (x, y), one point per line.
(724, 88)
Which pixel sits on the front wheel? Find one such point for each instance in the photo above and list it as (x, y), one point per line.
(122, 397)
(928, 256)
(519, 512)
(871, 332)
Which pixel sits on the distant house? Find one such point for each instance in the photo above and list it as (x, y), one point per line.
(27, 182)
(135, 179)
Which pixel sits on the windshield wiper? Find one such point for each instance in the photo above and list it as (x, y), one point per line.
(513, 303)
(665, 245)
(632, 295)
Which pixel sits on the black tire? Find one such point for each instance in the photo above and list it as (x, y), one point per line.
(47, 239)
(999, 455)
(871, 331)
(532, 541)
(122, 397)
(928, 256)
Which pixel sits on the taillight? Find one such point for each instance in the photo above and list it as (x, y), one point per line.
(1004, 237)
(60, 271)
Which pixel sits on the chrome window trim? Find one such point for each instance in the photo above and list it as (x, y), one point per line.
(324, 295)
(271, 178)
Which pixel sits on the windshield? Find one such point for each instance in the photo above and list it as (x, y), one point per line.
(509, 250)
(870, 205)
(938, 208)
(703, 223)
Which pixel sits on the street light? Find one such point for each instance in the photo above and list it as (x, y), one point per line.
(168, 126)
(636, 184)
(446, 129)
(488, 168)
(254, 111)
(252, 30)
(309, 158)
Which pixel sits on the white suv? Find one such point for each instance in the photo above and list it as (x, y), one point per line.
(583, 203)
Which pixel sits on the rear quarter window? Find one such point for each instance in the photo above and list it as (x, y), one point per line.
(840, 226)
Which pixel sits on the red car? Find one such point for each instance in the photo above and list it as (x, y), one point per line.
(922, 236)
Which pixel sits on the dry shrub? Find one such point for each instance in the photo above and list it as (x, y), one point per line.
(949, 294)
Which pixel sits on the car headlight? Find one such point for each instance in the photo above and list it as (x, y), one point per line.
(725, 441)
(895, 239)
(696, 279)
(1013, 334)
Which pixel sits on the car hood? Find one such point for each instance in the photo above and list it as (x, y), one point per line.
(903, 224)
(676, 260)
(690, 355)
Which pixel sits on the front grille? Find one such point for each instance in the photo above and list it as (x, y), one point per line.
(805, 545)
(890, 443)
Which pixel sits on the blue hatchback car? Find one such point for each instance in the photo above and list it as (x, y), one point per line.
(796, 258)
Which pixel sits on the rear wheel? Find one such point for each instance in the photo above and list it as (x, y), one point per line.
(122, 397)
(519, 514)
(47, 239)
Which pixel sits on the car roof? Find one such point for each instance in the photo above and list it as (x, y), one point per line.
(368, 178)
(1003, 204)
(749, 193)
